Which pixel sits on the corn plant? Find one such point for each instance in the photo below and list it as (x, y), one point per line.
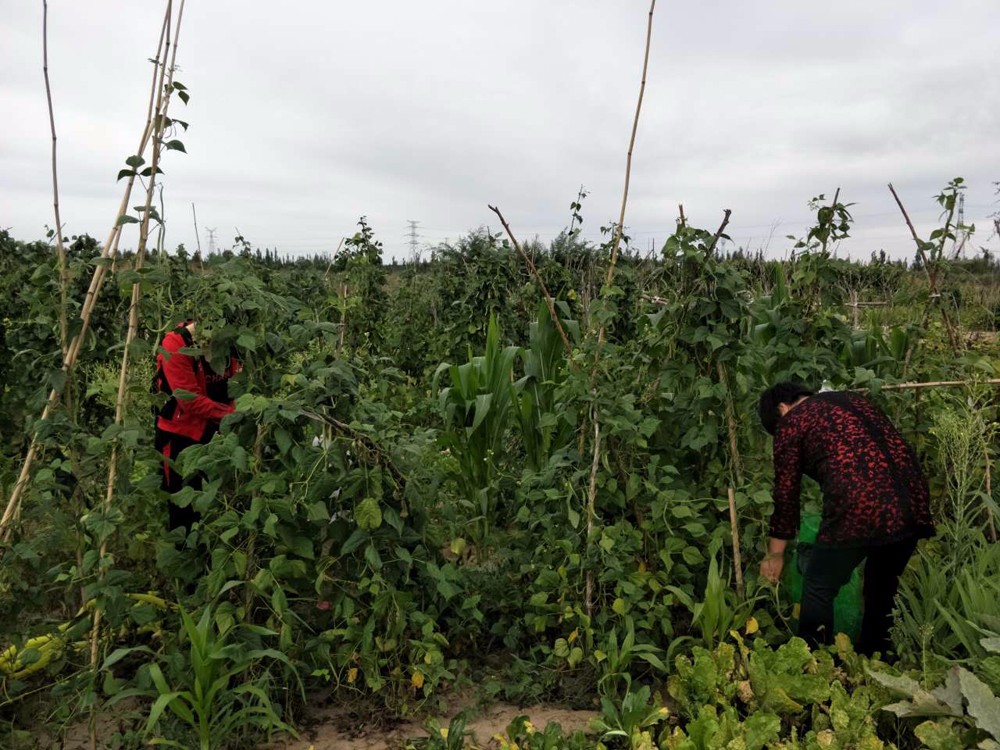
(478, 407)
(720, 609)
(542, 428)
(208, 690)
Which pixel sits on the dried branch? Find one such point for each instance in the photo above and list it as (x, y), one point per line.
(913, 233)
(355, 434)
(718, 233)
(534, 272)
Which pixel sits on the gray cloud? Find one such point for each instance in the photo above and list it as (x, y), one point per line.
(305, 116)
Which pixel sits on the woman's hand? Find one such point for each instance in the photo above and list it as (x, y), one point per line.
(771, 567)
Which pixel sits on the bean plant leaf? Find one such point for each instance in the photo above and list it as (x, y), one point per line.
(135, 161)
(368, 514)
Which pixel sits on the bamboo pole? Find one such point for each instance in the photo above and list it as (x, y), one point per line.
(615, 241)
(165, 71)
(737, 556)
(591, 513)
(731, 426)
(935, 384)
(617, 235)
(60, 246)
(108, 254)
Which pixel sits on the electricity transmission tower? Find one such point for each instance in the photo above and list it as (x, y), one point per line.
(414, 241)
(961, 231)
(211, 241)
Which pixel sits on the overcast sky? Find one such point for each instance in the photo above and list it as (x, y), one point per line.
(306, 115)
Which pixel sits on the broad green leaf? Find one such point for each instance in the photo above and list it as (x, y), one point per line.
(368, 514)
(983, 705)
(899, 684)
(939, 735)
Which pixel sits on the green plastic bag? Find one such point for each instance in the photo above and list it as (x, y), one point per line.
(847, 606)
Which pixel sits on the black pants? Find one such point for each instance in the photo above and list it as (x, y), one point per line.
(830, 568)
(170, 446)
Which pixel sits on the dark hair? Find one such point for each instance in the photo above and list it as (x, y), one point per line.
(781, 393)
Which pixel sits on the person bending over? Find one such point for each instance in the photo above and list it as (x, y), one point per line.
(876, 504)
(190, 416)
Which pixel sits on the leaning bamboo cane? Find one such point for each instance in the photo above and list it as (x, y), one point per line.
(165, 70)
(133, 320)
(609, 276)
(108, 253)
(619, 228)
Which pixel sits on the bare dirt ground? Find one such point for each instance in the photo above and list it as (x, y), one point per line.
(335, 730)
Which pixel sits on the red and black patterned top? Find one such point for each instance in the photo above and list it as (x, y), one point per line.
(874, 490)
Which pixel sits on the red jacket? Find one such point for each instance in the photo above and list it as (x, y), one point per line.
(190, 411)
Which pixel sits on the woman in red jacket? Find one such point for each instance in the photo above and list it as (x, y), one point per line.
(190, 416)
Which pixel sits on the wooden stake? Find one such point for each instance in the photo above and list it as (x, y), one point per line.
(737, 556)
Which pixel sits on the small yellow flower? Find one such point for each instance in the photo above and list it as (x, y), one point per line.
(417, 680)
(352, 674)
(444, 733)
(752, 626)
(529, 727)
